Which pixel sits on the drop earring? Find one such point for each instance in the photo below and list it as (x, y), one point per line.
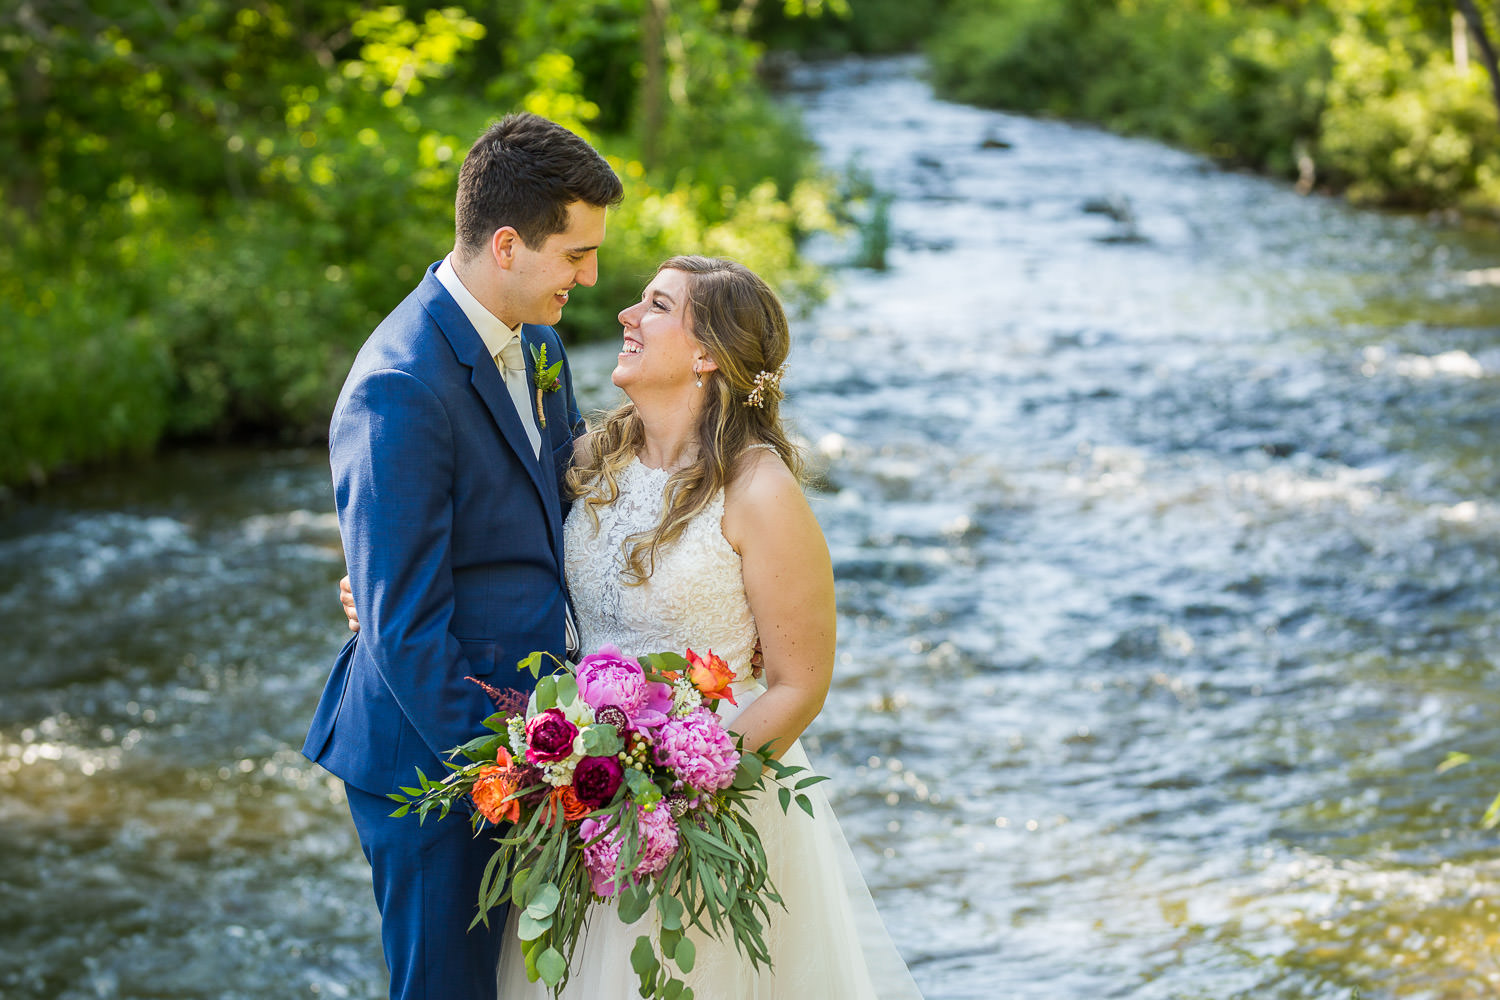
(698, 371)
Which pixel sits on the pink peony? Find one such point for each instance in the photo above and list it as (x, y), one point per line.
(658, 843)
(608, 677)
(698, 750)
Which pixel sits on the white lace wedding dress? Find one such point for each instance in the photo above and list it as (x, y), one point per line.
(829, 943)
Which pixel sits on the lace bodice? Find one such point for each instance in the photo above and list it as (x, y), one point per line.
(695, 595)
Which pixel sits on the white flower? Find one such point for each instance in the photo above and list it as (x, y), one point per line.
(515, 731)
(579, 712)
(685, 697)
(560, 773)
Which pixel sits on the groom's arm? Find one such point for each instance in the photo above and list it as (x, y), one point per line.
(391, 449)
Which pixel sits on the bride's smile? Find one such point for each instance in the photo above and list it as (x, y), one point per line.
(660, 357)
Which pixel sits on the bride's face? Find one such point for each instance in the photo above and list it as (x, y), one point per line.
(659, 350)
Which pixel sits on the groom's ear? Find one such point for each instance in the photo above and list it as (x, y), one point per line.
(504, 242)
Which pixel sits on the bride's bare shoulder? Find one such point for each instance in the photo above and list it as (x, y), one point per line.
(761, 486)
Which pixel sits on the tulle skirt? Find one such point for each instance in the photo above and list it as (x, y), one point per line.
(829, 943)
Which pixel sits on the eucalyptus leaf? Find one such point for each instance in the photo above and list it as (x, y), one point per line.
(529, 928)
(785, 795)
(602, 740)
(642, 958)
(805, 803)
(670, 910)
(809, 782)
(669, 942)
(567, 689)
(543, 900)
(686, 955)
(552, 966)
(633, 904)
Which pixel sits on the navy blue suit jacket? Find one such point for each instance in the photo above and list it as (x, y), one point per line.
(452, 530)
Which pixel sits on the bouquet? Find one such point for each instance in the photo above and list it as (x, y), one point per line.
(615, 780)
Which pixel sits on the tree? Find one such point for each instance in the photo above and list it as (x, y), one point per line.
(1481, 32)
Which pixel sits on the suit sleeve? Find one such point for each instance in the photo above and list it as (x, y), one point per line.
(392, 454)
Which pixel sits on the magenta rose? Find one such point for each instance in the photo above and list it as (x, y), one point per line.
(549, 737)
(609, 677)
(596, 779)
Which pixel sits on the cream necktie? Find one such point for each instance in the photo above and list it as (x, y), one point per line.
(512, 364)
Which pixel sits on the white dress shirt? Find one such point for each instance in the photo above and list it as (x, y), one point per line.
(497, 338)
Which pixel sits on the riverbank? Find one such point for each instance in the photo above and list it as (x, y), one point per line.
(204, 218)
(1384, 102)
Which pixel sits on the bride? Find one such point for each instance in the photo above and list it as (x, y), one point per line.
(689, 528)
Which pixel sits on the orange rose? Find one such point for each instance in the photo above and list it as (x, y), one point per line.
(711, 676)
(491, 791)
(572, 809)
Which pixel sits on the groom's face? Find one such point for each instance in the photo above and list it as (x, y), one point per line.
(540, 278)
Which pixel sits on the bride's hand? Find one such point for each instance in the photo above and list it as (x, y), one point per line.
(346, 598)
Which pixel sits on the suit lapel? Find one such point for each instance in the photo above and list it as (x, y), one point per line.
(490, 385)
(531, 340)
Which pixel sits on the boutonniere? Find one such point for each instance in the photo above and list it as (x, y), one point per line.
(544, 376)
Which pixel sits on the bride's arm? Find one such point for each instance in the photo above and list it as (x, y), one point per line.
(789, 584)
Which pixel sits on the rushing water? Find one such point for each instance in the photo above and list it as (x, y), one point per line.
(1165, 506)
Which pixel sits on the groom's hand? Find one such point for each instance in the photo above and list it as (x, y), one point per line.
(346, 598)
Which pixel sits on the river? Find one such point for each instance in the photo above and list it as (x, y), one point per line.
(1165, 510)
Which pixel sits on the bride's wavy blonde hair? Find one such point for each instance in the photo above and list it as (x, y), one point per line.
(737, 319)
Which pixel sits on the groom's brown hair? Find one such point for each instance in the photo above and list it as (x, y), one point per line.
(523, 172)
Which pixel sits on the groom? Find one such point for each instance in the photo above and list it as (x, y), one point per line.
(446, 484)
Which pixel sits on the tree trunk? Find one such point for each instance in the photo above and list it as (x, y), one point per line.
(653, 87)
(1460, 43)
(1486, 50)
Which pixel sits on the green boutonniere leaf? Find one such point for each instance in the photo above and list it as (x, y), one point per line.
(545, 376)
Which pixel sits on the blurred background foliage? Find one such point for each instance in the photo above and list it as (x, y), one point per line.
(1386, 100)
(207, 205)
